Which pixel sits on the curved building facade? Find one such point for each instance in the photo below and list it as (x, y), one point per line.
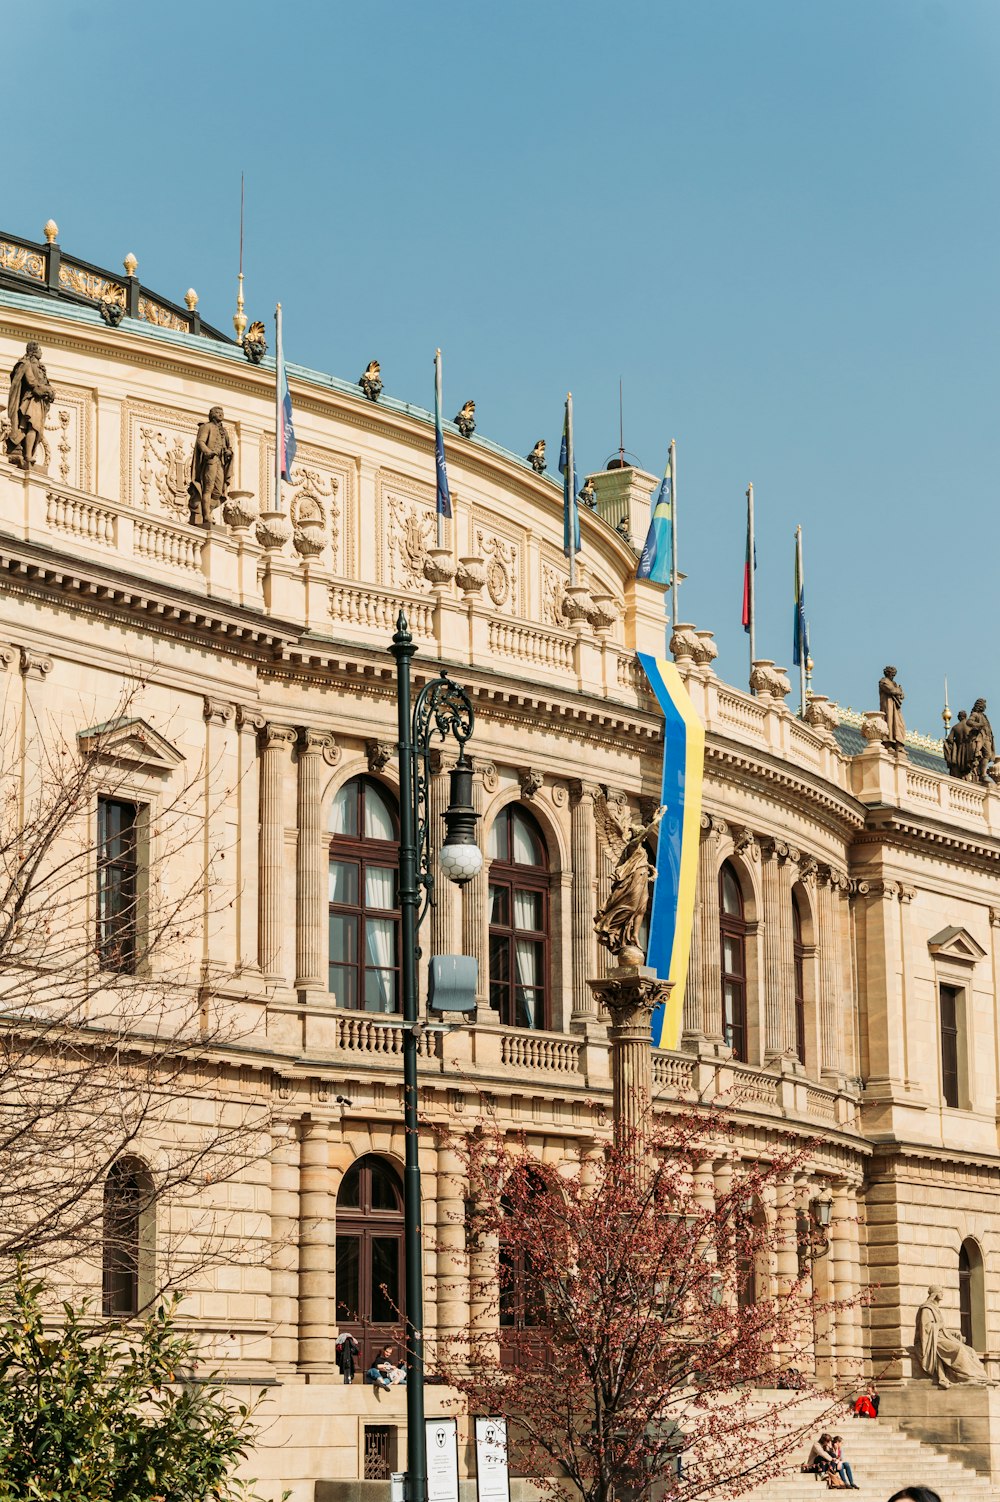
(843, 974)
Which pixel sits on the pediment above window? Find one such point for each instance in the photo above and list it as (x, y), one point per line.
(957, 945)
(130, 743)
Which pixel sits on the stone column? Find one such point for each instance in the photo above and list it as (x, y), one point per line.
(475, 922)
(315, 1248)
(284, 1245)
(248, 724)
(786, 1261)
(703, 996)
(779, 956)
(630, 995)
(276, 741)
(583, 842)
(316, 749)
(854, 1342)
(804, 1190)
(444, 914)
(722, 1173)
(453, 1258)
(839, 1257)
(829, 979)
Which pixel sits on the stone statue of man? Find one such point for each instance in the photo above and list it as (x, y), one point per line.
(28, 405)
(943, 1353)
(983, 749)
(211, 468)
(890, 699)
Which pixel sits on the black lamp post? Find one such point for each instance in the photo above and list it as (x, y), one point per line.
(442, 708)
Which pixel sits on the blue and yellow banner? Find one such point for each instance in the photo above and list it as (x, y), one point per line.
(672, 911)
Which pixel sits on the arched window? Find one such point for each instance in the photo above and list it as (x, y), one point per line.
(519, 920)
(370, 1277)
(972, 1295)
(129, 1232)
(364, 914)
(798, 949)
(734, 961)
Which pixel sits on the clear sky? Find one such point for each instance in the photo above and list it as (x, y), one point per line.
(777, 222)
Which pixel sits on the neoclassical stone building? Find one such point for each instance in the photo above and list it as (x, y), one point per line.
(843, 981)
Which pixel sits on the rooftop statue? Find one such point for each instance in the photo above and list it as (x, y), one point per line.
(371, 381)
(969, 748)
(28, 405)
(943, 1353)
(211, 468)
(465, 421)
(619, 920)
(537, 457)
(890, 699)
(255, 343)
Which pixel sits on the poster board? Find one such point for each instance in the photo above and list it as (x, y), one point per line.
(442, 1459)
(492, 1474)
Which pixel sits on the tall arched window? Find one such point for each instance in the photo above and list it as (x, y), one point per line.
(364, 914)
(522, 1308)
(519, 920)
(798, 949)
(370, 1276)
(129, 1232)
(972, 1294)
(734, 961)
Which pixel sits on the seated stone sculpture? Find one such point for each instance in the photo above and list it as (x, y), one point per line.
(943, 1353)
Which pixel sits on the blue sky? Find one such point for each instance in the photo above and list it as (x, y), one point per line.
(777, 222)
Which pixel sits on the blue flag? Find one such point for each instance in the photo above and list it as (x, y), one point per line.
(800, 629)
(286, 429)
(656, 560)
(443, 493)
(567, 468)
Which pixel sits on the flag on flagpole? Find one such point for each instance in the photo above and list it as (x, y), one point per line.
(749, 567)
(567, 468)
(443, 493)
(800, 639)
(286, 430)
(656, 561)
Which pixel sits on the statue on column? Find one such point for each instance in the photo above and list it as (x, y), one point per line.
(943, 1353)
(890, 699)
(619, 921)
(28, 405)
(211, 469)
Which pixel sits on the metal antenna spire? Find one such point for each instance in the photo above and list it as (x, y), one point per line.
(621, 425)
(239, 317)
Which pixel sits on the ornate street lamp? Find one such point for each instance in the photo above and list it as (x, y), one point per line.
(442, 709)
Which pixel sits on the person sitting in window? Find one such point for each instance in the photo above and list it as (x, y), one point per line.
(347, 1353)
(383, 1371)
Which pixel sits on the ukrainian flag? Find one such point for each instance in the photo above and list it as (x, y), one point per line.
(672, 911)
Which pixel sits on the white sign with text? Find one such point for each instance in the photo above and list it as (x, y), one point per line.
(442, 1460)
(492, 1476)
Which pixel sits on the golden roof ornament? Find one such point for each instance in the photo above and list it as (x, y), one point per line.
(130, 263)
(191, 299)
(51, 231)
(239, 317)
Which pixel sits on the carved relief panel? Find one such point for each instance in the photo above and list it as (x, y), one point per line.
(157, 445)
(66, 450)
(501, 545)
(407, 520)
(318, 499)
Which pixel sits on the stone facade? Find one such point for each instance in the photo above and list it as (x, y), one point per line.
(266, 664)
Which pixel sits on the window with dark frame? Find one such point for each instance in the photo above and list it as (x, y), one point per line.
(124, 1199)
(370, 1261)
(519, 920)
(965, 1295)
(798, 950)
(733, 938)
(117, 884)
(949, 1002)
(363, 898)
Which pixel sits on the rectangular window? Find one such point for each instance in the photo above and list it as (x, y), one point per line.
(950, 1001)
(117, 884)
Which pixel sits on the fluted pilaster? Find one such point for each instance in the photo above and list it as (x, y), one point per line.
(779, 953)
(249, 724)
(284, 1244)
(475, 924)
(583, 843)
(316, 750)
(829, 976)
(276, 746)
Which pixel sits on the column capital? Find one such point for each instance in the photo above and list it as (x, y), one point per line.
(712, 826)
(273, 734)
(745, 843)
(441, 760)
(780, 850)
(249, 718)
(217, 711)
(580, 790)
(487, 773)
(34, 664)
(319, 743)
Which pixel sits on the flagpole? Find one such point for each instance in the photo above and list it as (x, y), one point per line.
(752, 570)
(673, 533)
(799, 622)
(278, 417)
(570, 486)
(440, 421)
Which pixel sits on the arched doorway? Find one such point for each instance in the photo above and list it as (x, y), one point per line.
(370, 1269)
